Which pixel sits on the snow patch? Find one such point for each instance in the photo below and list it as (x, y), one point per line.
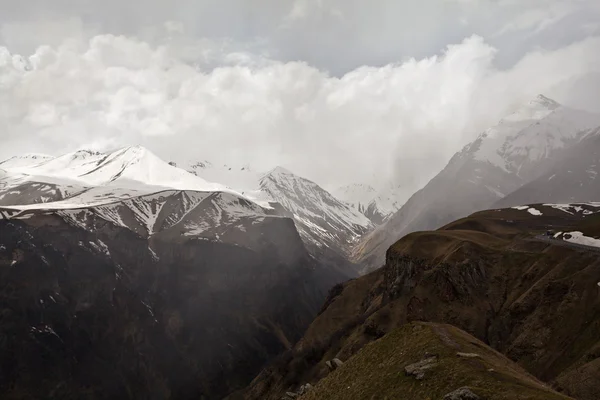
(580, 238)
(153, 253)
(575, 208)
(520, 208)
(100, 247)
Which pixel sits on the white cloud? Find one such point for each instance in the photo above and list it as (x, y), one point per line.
(404, 119)
(304, 9)
(538, 18)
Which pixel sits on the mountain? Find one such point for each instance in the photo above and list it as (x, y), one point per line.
(108, 313)
(496, 275)
(572, 176)
(377, 205)
(501, 160)
(324, 222)
(128, 277)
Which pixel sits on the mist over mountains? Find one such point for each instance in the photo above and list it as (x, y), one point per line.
(300, 200)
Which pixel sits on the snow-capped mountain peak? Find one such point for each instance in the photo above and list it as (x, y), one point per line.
(279, 171)
(124, 167)
(542, 101)
(530, 134)
(85, 177)
(321, 218)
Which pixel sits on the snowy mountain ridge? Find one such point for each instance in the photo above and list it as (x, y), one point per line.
(111, 181)
(321, 219)
(130, 167)
(530, 134)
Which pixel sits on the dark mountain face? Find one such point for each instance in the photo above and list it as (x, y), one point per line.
(107, 313)
(536, 301)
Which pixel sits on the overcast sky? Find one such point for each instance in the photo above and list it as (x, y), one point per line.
(339, 91)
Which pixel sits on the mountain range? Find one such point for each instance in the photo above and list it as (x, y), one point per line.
(90, 179)
(189, 277)
(218, 280)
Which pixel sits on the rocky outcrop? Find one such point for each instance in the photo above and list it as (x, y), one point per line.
(304, 389)
(334, 364)
(463, 393)
(419, 369)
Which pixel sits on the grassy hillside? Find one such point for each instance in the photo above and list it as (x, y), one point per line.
(377, 371)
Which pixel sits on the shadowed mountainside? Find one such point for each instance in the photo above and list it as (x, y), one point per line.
(107, 313)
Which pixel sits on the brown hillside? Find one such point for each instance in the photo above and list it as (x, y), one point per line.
(536, 302)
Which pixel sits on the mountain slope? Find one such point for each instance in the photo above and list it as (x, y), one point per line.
(324, 222)
(572, 176)
(377, 205)
(25, 160)
(501, 160)
(191, 291)
(373, 372)
(536, 301)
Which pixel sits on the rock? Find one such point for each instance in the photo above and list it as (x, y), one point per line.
(418, 369)
(463, 393)
(337, 362)
(467, 355)
(291, 395)
(305, 389)
(329, 365)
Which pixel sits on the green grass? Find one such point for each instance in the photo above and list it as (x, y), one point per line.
(377, 371)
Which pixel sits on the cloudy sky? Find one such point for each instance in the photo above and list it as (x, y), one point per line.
(339, 91)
